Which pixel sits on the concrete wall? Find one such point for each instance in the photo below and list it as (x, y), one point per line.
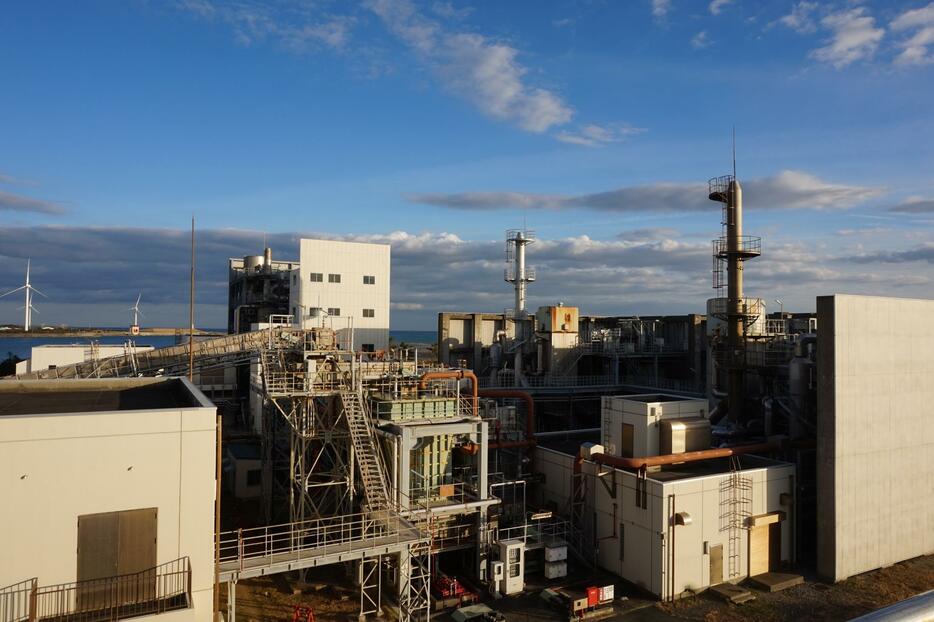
(875, 432)
(54, 468)
(352, 261)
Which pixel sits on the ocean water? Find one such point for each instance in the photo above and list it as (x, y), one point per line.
(22, 346)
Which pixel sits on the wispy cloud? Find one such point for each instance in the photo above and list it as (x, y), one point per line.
(9, 179)
(920, 253)
(447, 10)
(717, 5)
(660, 8)
(915, 50)
(297, 27)
(914, 205)
(18, 203)
(486, 72)
(787, 189)
(854, 36)
(801, 18)
(701, 40)
(597, 135)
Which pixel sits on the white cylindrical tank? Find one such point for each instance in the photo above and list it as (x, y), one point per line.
(253, 263)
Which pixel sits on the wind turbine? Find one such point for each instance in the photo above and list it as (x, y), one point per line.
(29, 289)
(134, 329)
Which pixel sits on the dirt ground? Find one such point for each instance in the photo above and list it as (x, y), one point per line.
(813, 601)
(333, 597)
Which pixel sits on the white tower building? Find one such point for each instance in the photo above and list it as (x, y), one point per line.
(345, 286)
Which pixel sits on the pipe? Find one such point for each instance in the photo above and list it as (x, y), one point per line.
(689, 456)
(454, 374)
(529, 416)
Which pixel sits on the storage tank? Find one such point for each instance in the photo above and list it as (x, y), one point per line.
(253, 263)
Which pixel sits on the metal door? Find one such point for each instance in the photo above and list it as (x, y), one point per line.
(716, 564)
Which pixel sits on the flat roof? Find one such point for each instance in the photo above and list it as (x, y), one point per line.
(668, 472)
(46, 397)
(652, 398)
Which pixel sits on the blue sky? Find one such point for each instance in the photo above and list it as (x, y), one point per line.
(436, 125)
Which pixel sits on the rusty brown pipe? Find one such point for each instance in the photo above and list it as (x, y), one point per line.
(454, 374)
(529, 416)
(689, 456)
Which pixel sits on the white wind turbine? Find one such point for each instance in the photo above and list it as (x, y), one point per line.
(136, 315)
(29, 289)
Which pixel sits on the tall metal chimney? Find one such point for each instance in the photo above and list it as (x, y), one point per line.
(733, 249)
(518, 274)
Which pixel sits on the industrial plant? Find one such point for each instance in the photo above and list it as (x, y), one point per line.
(576, 458)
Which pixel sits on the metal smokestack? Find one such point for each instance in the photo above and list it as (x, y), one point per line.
(733, 249)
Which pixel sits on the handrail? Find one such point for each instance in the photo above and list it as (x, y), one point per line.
(18, 601)
(155, 590)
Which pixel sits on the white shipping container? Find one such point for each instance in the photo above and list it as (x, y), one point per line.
(556, 553)
(556, 570)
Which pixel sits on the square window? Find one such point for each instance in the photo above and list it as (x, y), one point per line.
(334, 278)
(369, 347)
(317, 277)
(369, 280)
(334, 310)
(369, 313)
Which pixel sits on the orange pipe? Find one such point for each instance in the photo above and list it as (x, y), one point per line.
(529, 417)
(454, 374)
(689, 456)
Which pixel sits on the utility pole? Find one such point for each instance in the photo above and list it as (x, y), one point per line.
(191, 308)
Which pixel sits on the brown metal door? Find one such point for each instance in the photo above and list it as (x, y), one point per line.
(716, 564)
(626, 441)
(112, 544)
(97, 558)
(136, 554)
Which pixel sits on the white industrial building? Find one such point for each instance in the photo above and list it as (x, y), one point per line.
(50, 355)
(344, 286)
(875, 433)
(108, 488)
(674, 527)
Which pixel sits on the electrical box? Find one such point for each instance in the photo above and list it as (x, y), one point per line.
(512, 555)
(498, 572)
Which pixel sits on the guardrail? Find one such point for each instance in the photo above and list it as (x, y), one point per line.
(156, 590)
(342, 534)
(18, 601)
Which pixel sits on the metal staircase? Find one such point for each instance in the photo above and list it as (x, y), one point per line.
(366, 451)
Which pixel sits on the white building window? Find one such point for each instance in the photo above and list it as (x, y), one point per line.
(317, 277)
(334, 310)
(334, 278)
(369, 347)
(369, 280)
(369, 313)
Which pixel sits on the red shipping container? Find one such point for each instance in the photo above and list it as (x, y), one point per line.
(593, 596)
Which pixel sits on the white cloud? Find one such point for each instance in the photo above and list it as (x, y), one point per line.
(485, 72)
(660, 8)
(800, 19)
(916, 48)
(854, 36)
(597, 135)
(700, 40)
(717, 5)
(296, 27)
(447, 10)
(787, 189)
